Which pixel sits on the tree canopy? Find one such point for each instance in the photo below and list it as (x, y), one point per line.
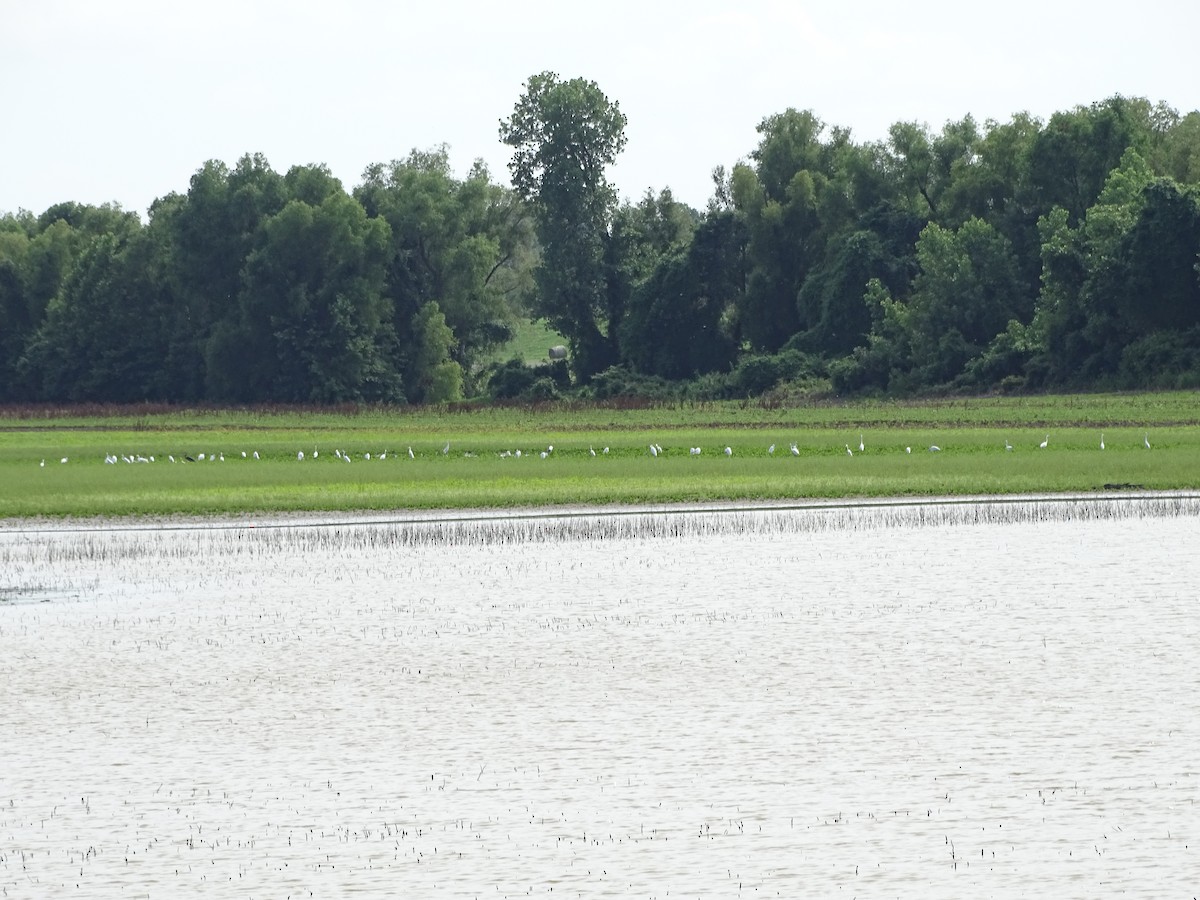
(1016, 255)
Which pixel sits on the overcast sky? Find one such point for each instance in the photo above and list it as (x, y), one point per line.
(123, 100)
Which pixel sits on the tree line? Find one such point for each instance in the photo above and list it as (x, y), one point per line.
(1018, 255)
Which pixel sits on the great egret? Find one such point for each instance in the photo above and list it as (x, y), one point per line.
(410, 453)
(934, 448)
(256, 454)
(367, 456)
(299, 455)
(771, 450)
(446, 449)
(1045, 442)
(592, 451)
(908, 449)
(1102, 440)
(795, 450)
(861, 446)
(1146, 441)
(729, 451)
(849, 452)
(63, 460)
(653, 450)
(1008, 446)
(42, 465)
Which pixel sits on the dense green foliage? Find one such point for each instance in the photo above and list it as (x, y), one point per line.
(1013, 256)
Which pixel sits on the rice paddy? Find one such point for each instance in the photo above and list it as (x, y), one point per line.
(163, 462)
(870, 699)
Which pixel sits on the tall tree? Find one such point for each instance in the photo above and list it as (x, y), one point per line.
(466, 244)
(564, 135)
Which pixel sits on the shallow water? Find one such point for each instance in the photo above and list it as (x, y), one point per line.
(782, 703)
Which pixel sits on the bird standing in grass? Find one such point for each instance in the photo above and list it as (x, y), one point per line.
(1146, 441)
(1044, 443)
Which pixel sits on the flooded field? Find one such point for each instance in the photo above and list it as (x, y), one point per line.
(894, 700)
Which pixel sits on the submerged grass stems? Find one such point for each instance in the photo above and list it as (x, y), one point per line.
(29, 548)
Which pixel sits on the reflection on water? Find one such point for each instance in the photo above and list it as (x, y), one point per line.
(767, 704)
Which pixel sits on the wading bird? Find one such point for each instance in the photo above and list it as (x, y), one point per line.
(299, 455)
(1008, 446)
(862, 448)
(795, 450)
(1045, 442)
(729, 451)
(1146, 441)
(1102, 440)
(771, 450)
(653, 450)
(849, 452)
(934, 448)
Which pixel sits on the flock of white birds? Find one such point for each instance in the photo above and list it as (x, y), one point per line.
(656, 450)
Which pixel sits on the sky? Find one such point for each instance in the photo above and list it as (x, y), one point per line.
(123, 100)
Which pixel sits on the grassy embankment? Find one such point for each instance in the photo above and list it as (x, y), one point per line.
(971, 433)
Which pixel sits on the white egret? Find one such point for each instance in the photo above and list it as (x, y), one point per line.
(653, 450)
(592, 451)
(446, 449)
(256, 454)
(908, 449)
(862, 448)
(795, 450)
(544, 454)
(517, 454)
(200, 457)
(849, 452)
(243, 454)
(1007, 445)
(605, 451)
(1146, 441)
(299, 455)
(410, 453)
(1045, 442)
(1102, 440)
(42, 465)
(934, 448)
(729, 451)
(367, 457)
(169, 456)
(771, 450)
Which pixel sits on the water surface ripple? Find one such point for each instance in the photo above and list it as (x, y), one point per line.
(736, 704)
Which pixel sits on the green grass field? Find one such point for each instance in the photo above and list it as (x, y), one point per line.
(477, 472)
